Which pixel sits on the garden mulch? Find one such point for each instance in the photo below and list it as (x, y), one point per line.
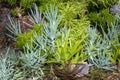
(4, 11)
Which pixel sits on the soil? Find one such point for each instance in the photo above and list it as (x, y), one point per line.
(4, 11)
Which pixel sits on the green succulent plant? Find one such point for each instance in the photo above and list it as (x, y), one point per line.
(53, 39)
(68, 51)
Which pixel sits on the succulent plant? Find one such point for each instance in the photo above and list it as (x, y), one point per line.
(14, 28)
(51, 31)
(6, 68)
(99, 50)
(8, 61)
(32, 61)
(36, 16)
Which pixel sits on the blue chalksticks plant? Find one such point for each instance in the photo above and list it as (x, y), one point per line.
(14, 28)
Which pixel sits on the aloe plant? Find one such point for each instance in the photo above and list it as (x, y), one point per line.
(70, 52)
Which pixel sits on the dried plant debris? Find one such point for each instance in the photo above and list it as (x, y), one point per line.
(115, 9)
(72, 71)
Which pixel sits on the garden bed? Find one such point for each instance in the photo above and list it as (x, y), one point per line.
(59, 43)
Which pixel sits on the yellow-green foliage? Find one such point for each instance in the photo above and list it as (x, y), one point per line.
(69, 51)
(27, 3)
(102, 18)
(73, 16)
(98, 12)
(72, 13)
(11, 2)
(115, 59)
(97, 5)
(79, 29)
(22, 3)
(44, 3)
(13, 12)
(23, 39)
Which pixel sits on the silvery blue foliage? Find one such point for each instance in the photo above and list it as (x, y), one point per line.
(14, 28)
(93, 43)
(40, 42)
(7, 71)
(113, 33)
(50, 31)
(32, 60)
(36, 16)
(98, 49)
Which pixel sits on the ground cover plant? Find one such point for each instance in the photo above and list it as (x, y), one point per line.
(61, 40)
